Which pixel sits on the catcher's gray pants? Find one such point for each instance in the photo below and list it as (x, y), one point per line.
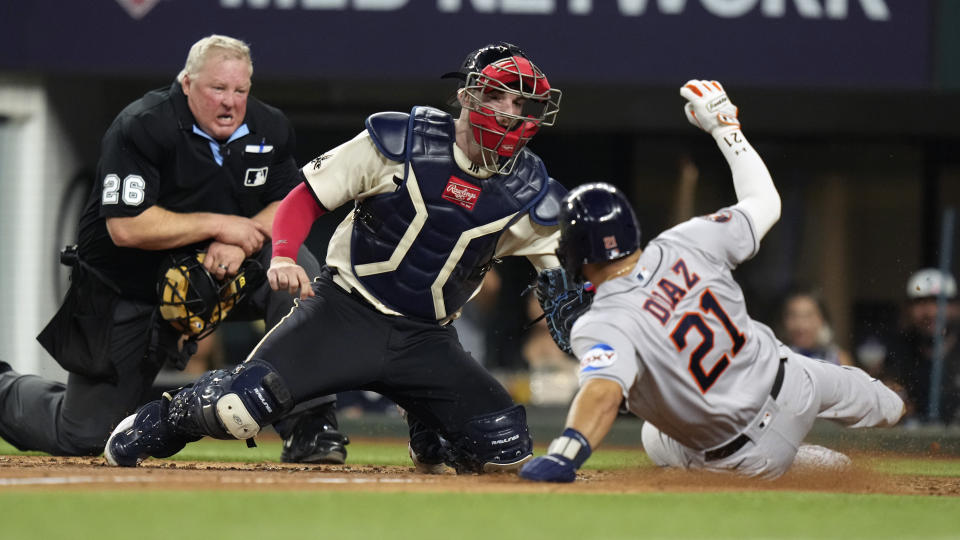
(811, 389)
(77, 417)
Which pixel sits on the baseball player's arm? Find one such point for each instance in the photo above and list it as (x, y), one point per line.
(607, 361)
(592, 413)
(538, 243)
(709, 108)
(292, 222)
(594, 409)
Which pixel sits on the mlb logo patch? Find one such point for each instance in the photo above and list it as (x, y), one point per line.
(461, 192)
(255, 177)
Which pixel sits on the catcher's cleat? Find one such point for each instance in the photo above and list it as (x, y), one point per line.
(315, 439)
(141, 435)
(430, 453)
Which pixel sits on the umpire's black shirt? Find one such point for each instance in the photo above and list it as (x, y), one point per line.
(154, 154)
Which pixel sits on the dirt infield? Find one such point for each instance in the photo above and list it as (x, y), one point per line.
(56, 473)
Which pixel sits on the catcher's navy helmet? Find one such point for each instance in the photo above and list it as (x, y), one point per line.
(483, 57)
(596, 224)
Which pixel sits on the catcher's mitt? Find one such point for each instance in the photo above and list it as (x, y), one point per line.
(193, 301)
(563, 300)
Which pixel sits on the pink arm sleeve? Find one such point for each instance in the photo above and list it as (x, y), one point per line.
(293, 220)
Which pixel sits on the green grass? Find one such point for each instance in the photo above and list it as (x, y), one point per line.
(253, 511)
(345, 515)
(916, 466)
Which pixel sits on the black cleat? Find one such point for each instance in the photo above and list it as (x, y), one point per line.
(430, 453)
(315, 439)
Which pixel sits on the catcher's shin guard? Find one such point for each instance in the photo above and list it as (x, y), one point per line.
(143, 434)
(495, 442)
(231, 404)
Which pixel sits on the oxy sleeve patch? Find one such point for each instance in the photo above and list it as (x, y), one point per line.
(598, 357)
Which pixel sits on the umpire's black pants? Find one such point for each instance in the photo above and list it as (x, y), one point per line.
(75, 418)
(337, 341)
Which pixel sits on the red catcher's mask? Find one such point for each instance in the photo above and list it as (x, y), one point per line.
(515, 76)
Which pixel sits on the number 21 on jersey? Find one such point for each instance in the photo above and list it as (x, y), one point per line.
(695, 321)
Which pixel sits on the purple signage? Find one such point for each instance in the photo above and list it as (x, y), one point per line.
(766, 43)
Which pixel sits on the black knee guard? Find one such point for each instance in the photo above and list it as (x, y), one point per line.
(231, 404)
(494, 442)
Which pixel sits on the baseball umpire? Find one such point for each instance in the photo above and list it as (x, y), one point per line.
(669, 336)
(191, 177)
(437, 201)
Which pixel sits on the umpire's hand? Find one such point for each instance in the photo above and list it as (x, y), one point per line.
(285, 273)
(223, 260)
(245, 233)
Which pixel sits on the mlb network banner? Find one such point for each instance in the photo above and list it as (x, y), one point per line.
(815, 43)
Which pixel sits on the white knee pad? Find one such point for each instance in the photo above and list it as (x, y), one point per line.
(235, 417)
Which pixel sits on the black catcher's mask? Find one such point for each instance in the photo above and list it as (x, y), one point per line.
(193, 301)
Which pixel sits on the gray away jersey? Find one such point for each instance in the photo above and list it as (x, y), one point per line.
(676, 335)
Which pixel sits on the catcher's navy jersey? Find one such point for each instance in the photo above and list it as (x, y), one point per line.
(675, 334)
(427, 223)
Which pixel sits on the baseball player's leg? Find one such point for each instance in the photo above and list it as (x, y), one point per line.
(326, 344)
(76, 418)
(769, 456)
(664, 451)
(850, 396)
(225, 404)
(310, 433)
(429, 451)
(441, 385)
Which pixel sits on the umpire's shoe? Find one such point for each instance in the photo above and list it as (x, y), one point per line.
(141, 435)
(315, 439)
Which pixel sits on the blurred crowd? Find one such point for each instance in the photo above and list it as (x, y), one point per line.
(902, 357)
(928, 329)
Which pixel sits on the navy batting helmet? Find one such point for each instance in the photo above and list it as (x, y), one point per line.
(596, 224)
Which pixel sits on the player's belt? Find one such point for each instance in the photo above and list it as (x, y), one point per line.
(731, 447)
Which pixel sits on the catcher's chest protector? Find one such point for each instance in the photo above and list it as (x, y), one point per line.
(423, 249)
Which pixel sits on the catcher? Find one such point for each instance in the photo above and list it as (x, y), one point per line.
(202, 165)
(437, 201)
